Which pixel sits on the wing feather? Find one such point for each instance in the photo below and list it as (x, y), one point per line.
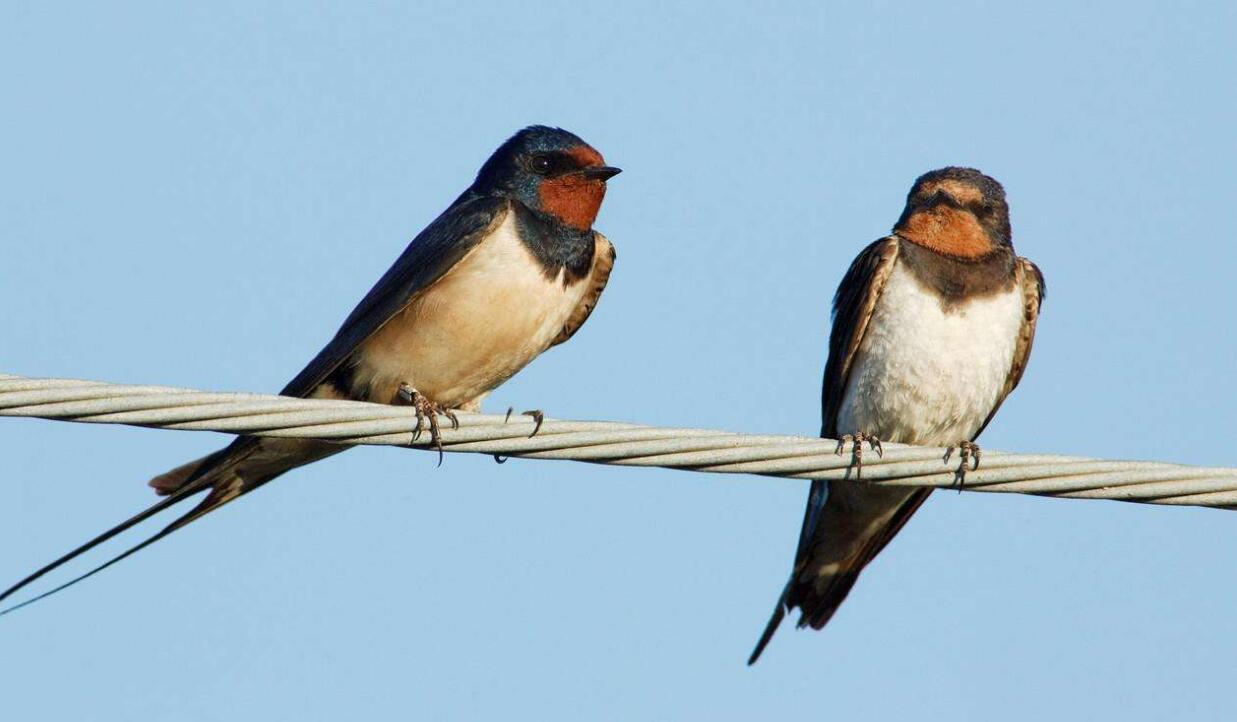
(431, 254)
(853, 304)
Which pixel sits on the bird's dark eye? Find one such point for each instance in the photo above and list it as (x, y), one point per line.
(541, 164)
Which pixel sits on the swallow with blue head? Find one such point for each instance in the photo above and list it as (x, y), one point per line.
(932, 330)
(511, 268)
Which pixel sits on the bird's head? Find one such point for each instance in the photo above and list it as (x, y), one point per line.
(552, 172)
(959, 212)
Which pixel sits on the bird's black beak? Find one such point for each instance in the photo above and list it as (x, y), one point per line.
(601, 173)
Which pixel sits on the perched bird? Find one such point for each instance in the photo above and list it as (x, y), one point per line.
(932, 329)
(511, 268)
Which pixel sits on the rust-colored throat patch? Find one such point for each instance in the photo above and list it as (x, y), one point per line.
(948, 230)
(574, 199)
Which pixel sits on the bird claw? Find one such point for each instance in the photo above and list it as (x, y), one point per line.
(968, 455)
(856, 449)
(538, 417)
(537, 414)
(427, 410)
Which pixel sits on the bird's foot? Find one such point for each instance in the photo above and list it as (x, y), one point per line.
(538, 419)
(428, 410)
(968, 456)
(856, 449)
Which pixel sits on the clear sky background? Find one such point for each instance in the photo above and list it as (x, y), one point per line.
(198, 196)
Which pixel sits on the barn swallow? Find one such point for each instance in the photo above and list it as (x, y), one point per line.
(932, 329)
(511, 268)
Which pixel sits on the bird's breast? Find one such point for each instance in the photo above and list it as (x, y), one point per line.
(928, 372)
(484, 320)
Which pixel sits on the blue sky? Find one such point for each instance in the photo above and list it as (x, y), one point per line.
(198, 196)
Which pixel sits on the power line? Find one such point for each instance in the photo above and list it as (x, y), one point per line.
(608, 442)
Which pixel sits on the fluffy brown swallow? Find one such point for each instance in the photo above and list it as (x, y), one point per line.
(510, 269)
(932, 329)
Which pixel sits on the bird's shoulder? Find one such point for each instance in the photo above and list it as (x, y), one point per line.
(604, 256)
(1032, 281)
(853, 305)
(428, 257)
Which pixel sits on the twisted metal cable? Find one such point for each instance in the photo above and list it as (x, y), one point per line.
(608, 442)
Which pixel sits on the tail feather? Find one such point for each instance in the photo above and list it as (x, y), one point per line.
(216, 472)
(820, 600)
(168, 482)
(816, 498)
(844, 530)
(779, 613)
(80, 550)
(821, 604)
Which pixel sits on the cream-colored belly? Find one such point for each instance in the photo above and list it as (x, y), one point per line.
(486, 319)
(924, 375)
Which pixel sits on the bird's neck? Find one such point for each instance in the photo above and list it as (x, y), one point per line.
(954, 280)
(559, 247)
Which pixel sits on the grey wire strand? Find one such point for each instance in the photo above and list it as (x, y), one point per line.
(609, 442)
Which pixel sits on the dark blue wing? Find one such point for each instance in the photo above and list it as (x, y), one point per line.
(430, 255)
(852, 308)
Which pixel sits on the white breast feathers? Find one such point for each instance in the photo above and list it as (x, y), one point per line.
(925, 373)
